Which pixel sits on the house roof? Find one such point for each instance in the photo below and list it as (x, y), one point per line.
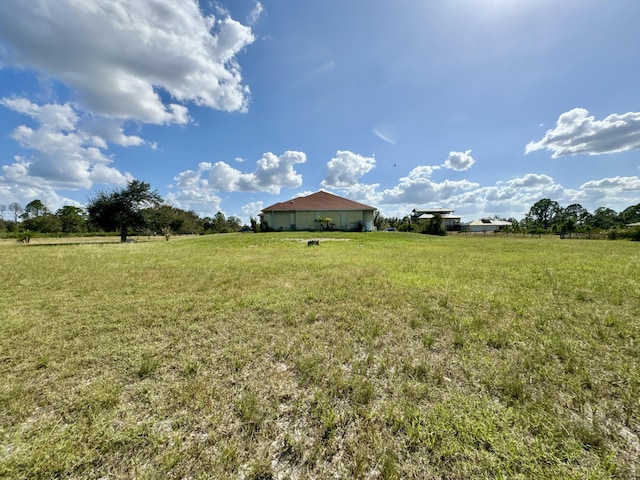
(317, 202)
(489, 221)
(418, 211)
(425, 216)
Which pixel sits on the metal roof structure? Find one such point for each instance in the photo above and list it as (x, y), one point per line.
(489, 221)
(426, 216)
(428, 211)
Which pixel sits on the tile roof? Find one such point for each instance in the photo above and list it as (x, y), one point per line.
(317, 202)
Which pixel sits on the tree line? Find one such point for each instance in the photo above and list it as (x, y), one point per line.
(137, 209)
(546, 216)
(134, 209)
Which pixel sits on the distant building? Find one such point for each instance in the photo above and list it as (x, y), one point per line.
(450, 221)
(486, 225)
(300, 213)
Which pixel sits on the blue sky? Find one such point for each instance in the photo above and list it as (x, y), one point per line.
(482, 106)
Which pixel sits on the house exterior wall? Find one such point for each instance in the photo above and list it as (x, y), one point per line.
(348, 220)
(278, 220)
(488, 226)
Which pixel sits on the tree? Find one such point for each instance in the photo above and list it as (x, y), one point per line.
(544, 213)
(255, 226)
(568, 226)
(434, 226)
(3, 208)
(178, 220)
(515, 226)
(577, 213)
(219, 222)
(264, 225)
(605, 218)
(325, 222)
(46, 223)
(629, 215)
(382, 222)
(191, 222)
(16, 209)
(378, 220)
(122, 209)
(72, 219)
(34, 209)
(234, 224)
(162, 216)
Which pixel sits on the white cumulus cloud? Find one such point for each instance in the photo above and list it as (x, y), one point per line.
(252, 209)
(530, 180)
(63, 154)
(272, 173)
(118, 56)
(200, 200)
(418, 188)
(345, 169)
(621, 184)
(459, 160)
(198, 189)
(577, 132)
(119, 63)
(511, 198)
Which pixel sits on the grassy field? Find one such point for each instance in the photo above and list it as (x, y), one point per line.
(379, 355)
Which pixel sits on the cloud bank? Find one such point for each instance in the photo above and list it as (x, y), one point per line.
(64, 154)
(137, 60)
(119, 63)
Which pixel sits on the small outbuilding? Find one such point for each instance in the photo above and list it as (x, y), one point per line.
(486, 225)
(302, 213)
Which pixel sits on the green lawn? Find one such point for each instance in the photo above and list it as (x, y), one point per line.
(377, 355)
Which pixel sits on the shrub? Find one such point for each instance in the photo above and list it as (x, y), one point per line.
(411, 227)
(630, 233)
(24, 237)
(434, 226)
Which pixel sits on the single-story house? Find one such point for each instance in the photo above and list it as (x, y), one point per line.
(449, 220)
(486, 225)
(300, 213)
